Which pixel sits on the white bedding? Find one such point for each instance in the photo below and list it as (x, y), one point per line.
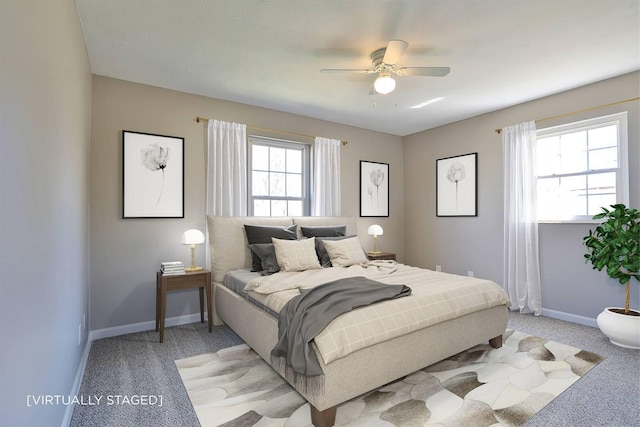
(436, 297)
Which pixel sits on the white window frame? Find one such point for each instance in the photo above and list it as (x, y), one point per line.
(306, 171)
(622, 171)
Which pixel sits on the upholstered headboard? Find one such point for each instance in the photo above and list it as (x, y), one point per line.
(228, 244)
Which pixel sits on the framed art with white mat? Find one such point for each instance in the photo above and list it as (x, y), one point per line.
(152, 176)
(457, 185)
(374, 189)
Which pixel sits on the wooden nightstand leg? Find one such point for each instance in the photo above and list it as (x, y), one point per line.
(163, 305)
(157, 301)
(201, 289)
(209, 290)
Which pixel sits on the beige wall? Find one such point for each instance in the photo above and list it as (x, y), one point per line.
(125, 254)
(462, 244)
(45, 121)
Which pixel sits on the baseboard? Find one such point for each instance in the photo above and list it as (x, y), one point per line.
(75, 389)
(573, 318)
(143, 326)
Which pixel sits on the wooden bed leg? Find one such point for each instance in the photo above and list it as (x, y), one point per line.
(326, 418)
(496, 342)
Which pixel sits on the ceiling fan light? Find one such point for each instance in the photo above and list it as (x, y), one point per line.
(384, 84)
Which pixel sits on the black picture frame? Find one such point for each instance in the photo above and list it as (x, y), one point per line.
(374, 189)
(152, 175)
(457, 186)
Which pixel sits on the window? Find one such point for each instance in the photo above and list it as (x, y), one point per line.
(581, 167)
(278, 177)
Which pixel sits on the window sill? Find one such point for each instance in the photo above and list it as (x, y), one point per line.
(568, 221)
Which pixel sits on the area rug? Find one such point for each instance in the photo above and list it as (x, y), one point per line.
(482, 386)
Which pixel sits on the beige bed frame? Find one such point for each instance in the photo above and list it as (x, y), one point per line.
(359, 372)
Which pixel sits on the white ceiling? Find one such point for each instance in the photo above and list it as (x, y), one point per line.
(268, 53)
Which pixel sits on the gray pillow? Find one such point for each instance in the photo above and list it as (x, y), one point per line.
(263, 234)
(324, 231)
(323, 256)
(267, 254)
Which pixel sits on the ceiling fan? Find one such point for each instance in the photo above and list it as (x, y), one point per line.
(384, 62)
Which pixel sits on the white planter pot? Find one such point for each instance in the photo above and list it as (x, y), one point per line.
(621, 329)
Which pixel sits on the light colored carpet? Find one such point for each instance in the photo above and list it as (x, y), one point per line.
(480, 387)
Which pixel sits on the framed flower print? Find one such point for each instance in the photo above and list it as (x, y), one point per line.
(152, 175)
(457, 185)
(374, 189)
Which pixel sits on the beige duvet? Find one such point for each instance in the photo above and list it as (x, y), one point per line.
(436, 297)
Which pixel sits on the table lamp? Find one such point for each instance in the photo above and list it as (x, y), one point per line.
(193, 237)
(375, 230)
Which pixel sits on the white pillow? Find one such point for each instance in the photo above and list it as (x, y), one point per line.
(296, 255)
(345, 252)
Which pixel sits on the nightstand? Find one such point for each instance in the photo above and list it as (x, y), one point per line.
(381, 255)
(165, 283)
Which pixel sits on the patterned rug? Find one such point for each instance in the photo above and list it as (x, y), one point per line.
(479, 387)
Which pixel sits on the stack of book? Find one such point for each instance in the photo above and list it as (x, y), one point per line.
(172, 267)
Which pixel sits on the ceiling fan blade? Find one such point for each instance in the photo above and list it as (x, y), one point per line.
(395, 49)
(423, 71)
(348, 70)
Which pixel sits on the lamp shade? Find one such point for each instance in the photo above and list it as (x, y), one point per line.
(384, 84)
(192, 237)
(375, 230)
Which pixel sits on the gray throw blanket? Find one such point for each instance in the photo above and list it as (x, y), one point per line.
(306, 315)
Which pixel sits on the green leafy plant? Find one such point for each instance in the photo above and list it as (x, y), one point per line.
(615, 246)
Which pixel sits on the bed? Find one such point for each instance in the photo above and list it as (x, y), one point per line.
(362, 370)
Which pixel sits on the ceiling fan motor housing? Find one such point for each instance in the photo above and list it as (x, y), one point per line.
(378, 56)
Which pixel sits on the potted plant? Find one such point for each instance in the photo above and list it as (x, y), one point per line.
(615, 246)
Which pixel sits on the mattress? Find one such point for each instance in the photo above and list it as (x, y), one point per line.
(236, 280)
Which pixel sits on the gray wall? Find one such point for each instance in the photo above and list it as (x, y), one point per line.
(45, 97)
(462, 244)
(125, 253)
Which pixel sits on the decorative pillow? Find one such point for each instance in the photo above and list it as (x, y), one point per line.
(267, 254)
(346, 252)
(263, 234)
(324, 231)
(296, 255)
(323, 256)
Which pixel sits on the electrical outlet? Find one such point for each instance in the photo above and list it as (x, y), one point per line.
(438, 267)
(470, 273)
(79, 333)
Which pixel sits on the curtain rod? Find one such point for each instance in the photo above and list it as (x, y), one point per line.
(498, 131)
(202, 119)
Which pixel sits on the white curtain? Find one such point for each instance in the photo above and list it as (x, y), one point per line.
(226, 171)
(326, 178)
(521, 258)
